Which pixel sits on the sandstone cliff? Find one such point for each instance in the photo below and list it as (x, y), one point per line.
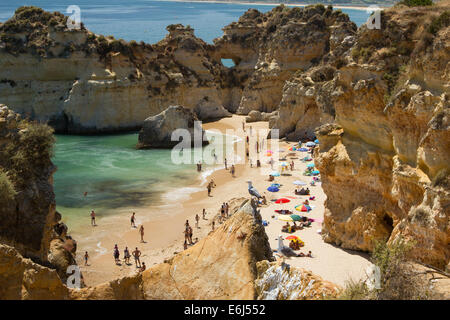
(384, 162)
(86, 83)
(29, 221)
(232, 262)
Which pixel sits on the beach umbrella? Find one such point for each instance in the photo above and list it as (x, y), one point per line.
(275, 185)
(273, 189)
(284, 164)
(282, 200)
(310, 144)
(299, 183)
(310, 165)
(284, 218)
(302, 149)
(292, 238)
(315, 172)
(302, 208)
(296, 217)
(307, 207)
(292, 148)
(275, 174)
(316, 141)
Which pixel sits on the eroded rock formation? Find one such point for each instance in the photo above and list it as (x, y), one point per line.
(157, 131)
(385, 161)
(29, 221)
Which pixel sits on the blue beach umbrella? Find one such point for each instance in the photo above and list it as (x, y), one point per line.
(316, 141)
(310, 144)
(275, 185)
(299, 183)
(315, 172)
(275, 173)
(302, 149)
(310, 165)
(273, 189)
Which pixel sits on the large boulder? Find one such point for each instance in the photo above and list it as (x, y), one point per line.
(157, 130)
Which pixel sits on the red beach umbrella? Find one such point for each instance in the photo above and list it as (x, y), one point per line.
(282, 200)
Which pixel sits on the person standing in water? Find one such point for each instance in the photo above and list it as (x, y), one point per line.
(132, 220)
(93, 218)
(141, 232)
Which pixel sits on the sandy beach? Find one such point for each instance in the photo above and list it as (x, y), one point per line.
(164, 225)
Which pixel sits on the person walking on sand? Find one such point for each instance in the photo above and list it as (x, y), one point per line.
(204, 214)
(212, 225)
(186, 234)
(227, 209)
(226, 164)
(136, 255)
(197, 219)
(133, 218)
(116, 254)
(141, 232)
(126, 255)
(209, 189)
(86, 257)
(190, 234)
(232, 170)
(93, 218)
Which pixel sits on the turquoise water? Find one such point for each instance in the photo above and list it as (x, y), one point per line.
(113, 173)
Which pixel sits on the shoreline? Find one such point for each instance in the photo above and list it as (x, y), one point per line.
(164, 225)
(274, 4)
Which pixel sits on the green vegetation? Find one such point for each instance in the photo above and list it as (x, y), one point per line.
(26, 154)
(7, 191)
(417, 3)
(397, 278)
(439, 23)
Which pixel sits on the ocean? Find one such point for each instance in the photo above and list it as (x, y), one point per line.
(113, 173)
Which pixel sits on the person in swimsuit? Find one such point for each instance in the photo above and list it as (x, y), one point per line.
(86, 257)
(93, 218)
(132, 220)
(141, 232)
(136, 255)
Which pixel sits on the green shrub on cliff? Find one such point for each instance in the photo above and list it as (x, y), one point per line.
(397, 279)
(28, 153)
(7, 191)
(417, 3)
(440, 22)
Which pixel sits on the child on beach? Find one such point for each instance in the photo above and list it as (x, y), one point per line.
(86, 257)
(142, 269)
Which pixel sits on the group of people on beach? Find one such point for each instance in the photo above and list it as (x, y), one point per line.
(126, 257)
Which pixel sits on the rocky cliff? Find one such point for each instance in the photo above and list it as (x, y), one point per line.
(86, 83)
(232, 262)
(29, 221)
(384, 159)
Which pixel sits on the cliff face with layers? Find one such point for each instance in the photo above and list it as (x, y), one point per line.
(230, 263)
(268, 48)
(85, 83)
(385, 161)
(29, 221)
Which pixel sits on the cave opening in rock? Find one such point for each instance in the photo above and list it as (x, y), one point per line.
(229, 63)
(389, 222)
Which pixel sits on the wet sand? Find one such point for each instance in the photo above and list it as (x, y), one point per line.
(164, 225)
